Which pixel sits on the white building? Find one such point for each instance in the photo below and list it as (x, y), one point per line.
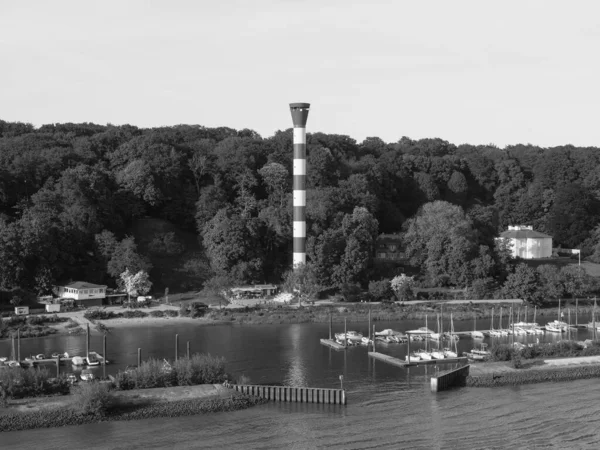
(526, 243)
(83, 293)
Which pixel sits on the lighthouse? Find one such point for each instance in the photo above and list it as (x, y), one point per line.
(299, 117)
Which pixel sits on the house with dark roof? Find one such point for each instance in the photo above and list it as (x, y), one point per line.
(526, 243)
(82, 293)
(389, 248)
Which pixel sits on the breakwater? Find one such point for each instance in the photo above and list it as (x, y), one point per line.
(60, 417)
(294, 394)
(529, 376)
(450, 378)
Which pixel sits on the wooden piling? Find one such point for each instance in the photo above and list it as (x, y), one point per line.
(176, 345)
(57, 366)
(104, 355)
(373, 338)
(139, 357)
(345, 333)
(19, 344)
(187, 349)
(330, 325)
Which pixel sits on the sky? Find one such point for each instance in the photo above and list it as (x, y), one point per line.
(477, 72)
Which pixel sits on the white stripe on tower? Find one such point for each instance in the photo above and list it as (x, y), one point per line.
(299, 117)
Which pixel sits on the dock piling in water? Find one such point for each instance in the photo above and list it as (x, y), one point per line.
(139, 357)
(176, 345)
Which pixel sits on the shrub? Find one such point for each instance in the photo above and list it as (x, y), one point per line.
(381, 290)
(199, 369)
(92, 398)
(157, 313)
(183, 310)
(501, 352)
(31, 382)
(134, 314)
(171, 313)
(517, 361)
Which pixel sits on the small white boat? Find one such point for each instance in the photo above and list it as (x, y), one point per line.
(13, 364)
(352, 336)
(435, 336)
(71, 378)
(92, 359)
(436, 354)
(449, 353)
(477, 335)
(425, 356)
(40, 356)
(553, 329)
(413, 357)
(78, 361)
(386, 332)
(87, 375)
(366, 341)
(3, 358)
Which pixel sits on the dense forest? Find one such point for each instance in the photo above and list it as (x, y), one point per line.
(71, 193)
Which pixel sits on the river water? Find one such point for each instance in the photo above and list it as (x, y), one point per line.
(388, 407)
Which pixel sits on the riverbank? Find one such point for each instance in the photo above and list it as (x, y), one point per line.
(493, 374)
(75, 322)
(30, 413)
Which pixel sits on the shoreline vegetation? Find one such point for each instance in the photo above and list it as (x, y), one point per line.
(104, 318)
(31, 398)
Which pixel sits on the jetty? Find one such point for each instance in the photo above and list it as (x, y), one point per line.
(332, 344)
(403, 363)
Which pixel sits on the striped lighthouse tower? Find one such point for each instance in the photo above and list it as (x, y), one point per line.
(299, 117)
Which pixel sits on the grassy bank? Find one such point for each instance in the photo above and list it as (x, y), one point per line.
(60, 417)
(358, 312)
(526, 376)
(30, 326)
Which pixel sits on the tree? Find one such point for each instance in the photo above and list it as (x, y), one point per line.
(523, 284)
(550, 282)
(441, 240)
(381, 290)
(16, 300)
(135, 284)
(402, 285)
(302, 283)
(125, 255)
(576, 280)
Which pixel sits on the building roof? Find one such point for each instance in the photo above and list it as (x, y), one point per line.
(83, 285)
(524, 234)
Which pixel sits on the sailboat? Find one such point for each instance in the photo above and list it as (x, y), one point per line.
(437, 354)
(424, 354)
(436, 336)
(557, 326)
(448, 352)
(500, 330)
(493, 332)
(476, 334)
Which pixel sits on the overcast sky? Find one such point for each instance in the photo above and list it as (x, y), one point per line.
(479, 72)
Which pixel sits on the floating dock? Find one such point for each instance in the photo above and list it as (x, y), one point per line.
(403, 363)
(332, 344)
(63, 360)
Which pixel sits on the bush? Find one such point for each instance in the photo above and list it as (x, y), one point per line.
(183, 310)
(199, 369)
(157, 313)
(381, 290)
(134, 314)
(517, 361)
(171, 313)
(99, 314)
(501, 352)
(31, 382)
(92, 398)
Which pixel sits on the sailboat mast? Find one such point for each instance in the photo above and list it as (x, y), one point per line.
(426, 332)
(534, 312)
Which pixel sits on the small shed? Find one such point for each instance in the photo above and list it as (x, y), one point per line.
(526, 243)
(21, 310)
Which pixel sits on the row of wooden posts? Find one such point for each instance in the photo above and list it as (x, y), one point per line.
(87, 350)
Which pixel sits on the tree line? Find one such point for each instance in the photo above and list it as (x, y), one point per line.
(69, 194)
